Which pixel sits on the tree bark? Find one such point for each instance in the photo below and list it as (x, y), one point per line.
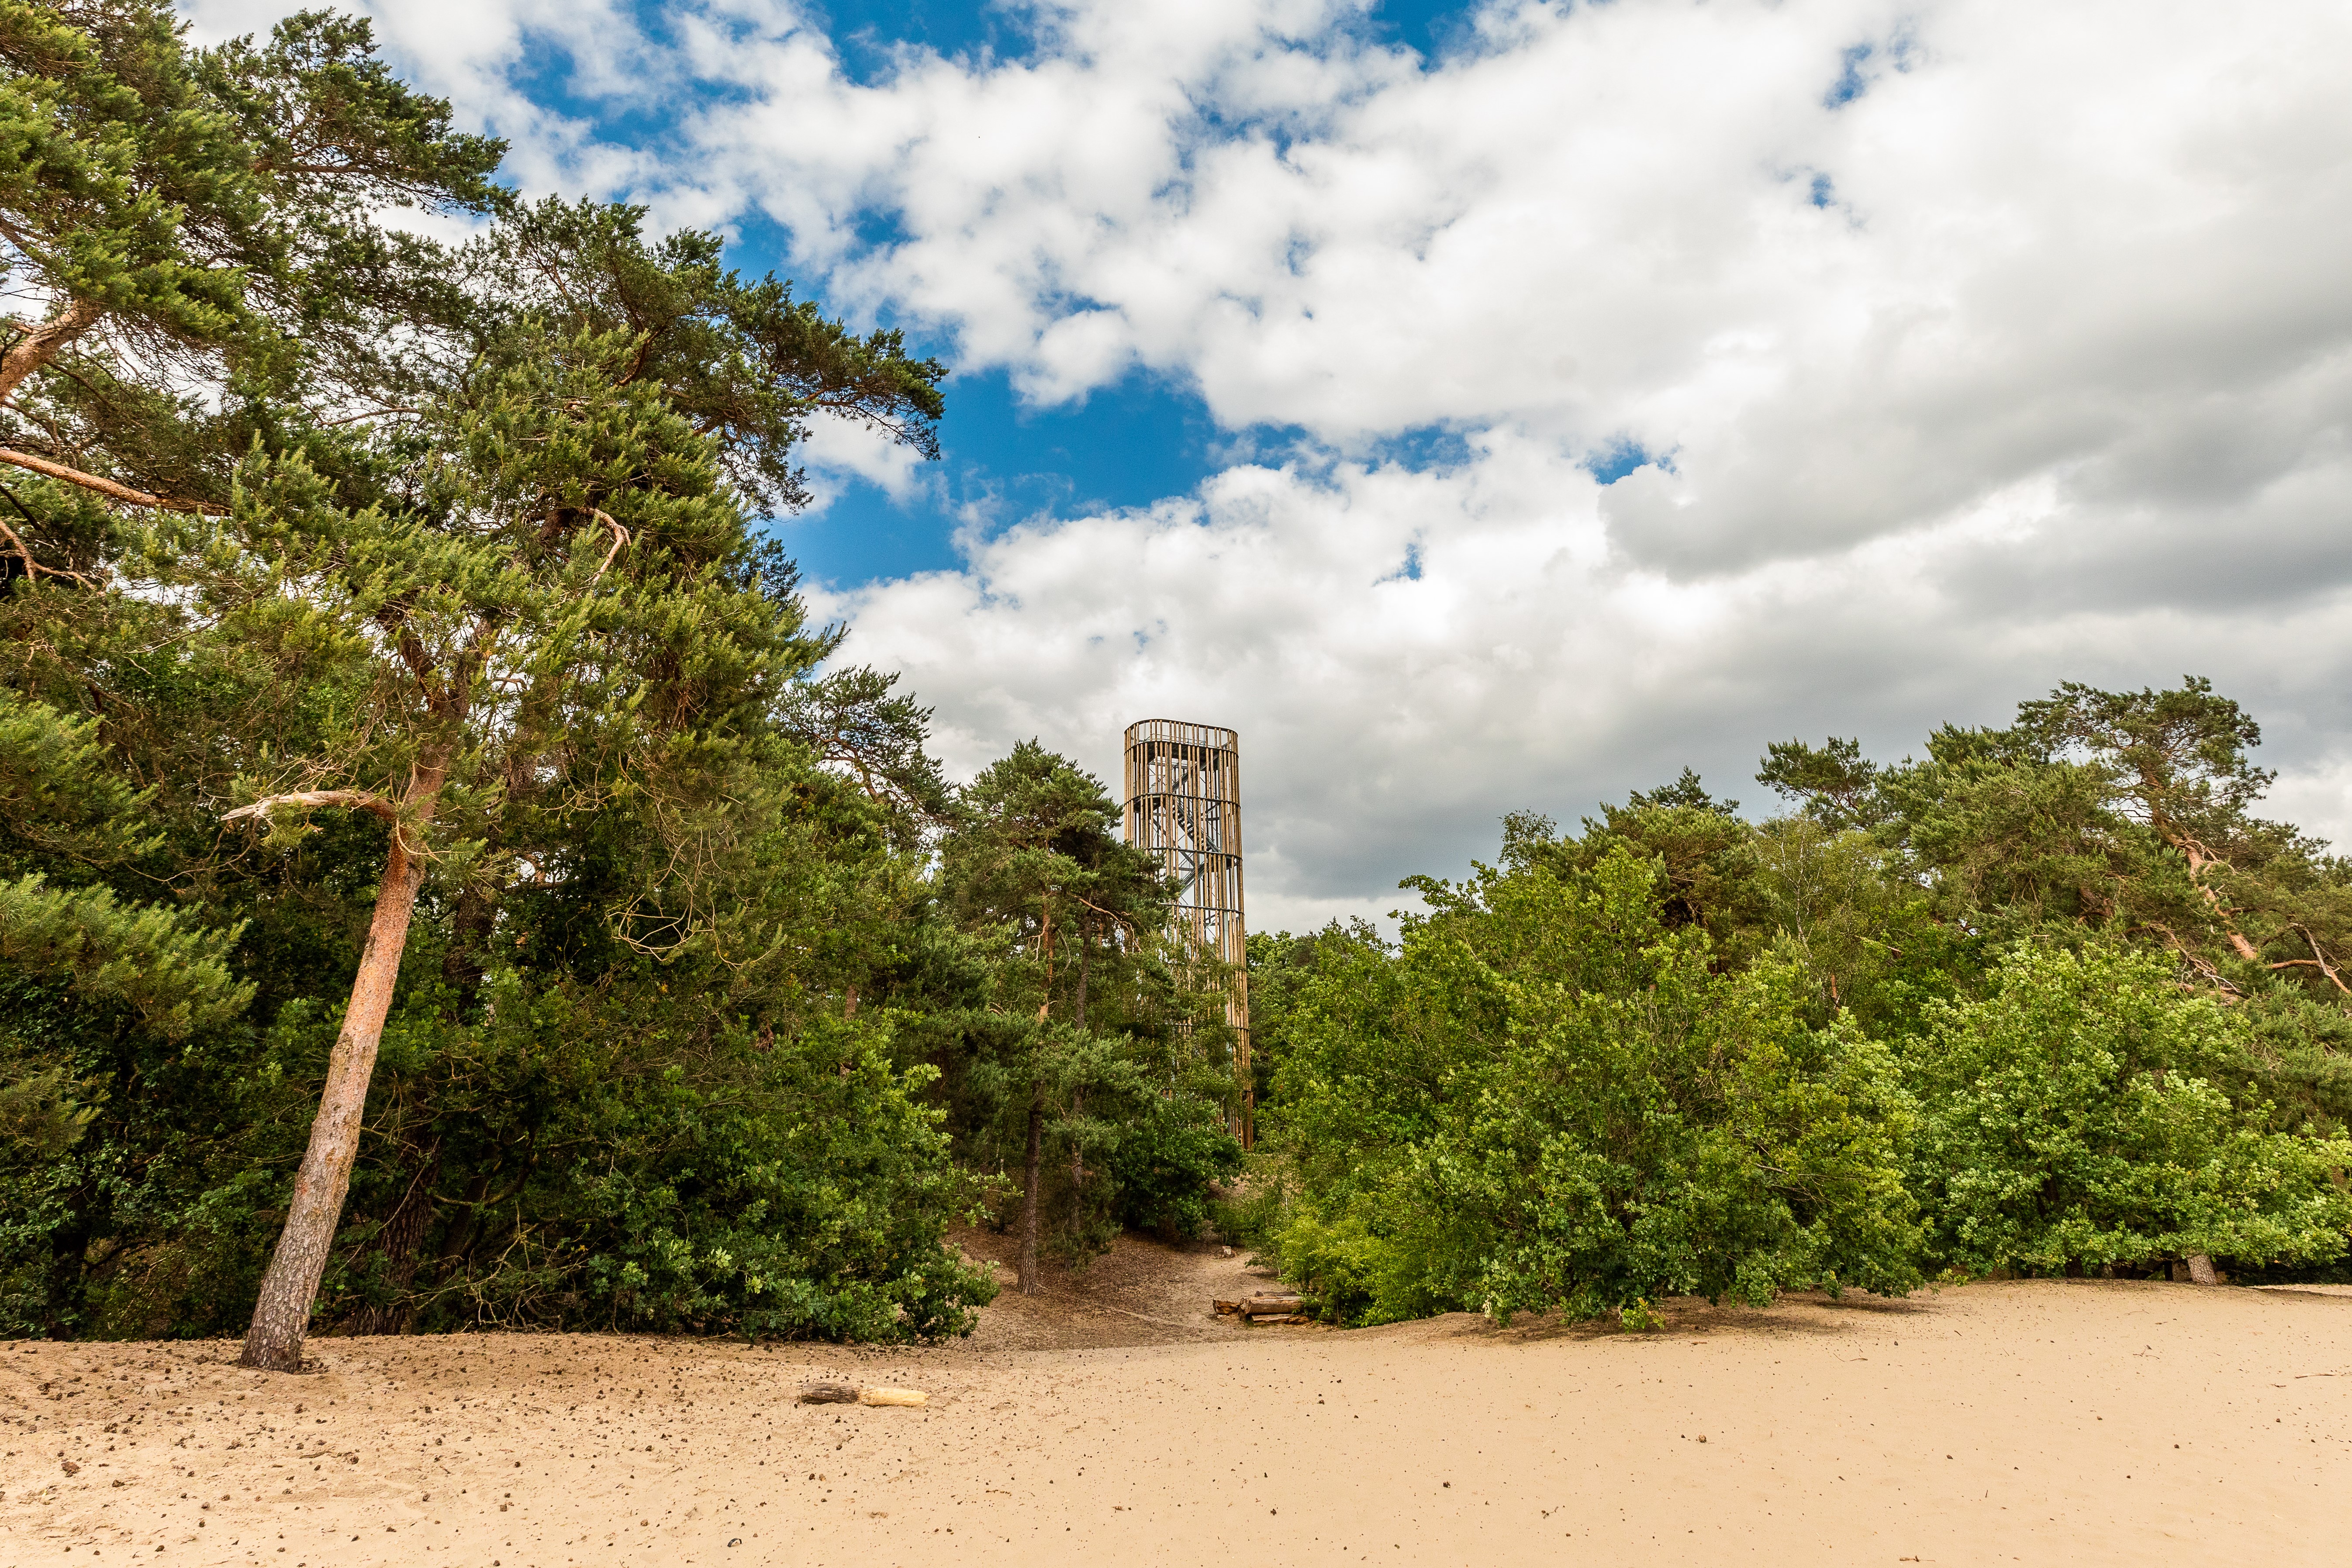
(40, 344)
(1034, 1178)
(290, 1286)
(1078, 1100)
(2200, 1269)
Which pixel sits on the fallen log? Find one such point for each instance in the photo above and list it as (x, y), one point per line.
(892, 1396)
(851, 1393)
(829, 1394)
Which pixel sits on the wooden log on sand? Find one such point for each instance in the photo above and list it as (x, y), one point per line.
(829, 1394)
(911, 1396)
(850, 1393)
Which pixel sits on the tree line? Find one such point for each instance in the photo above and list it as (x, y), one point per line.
(2051, 1000)
(445, 877)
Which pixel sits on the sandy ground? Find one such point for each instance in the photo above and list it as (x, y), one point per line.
(2044, 1423)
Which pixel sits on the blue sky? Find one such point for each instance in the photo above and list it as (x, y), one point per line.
(866, 28)
(1148, 435)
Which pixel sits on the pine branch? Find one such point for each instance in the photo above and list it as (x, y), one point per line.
(48, 469)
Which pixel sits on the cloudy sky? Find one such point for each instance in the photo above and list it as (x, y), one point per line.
(1504, 405)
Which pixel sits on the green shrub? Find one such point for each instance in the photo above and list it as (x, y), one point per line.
(1550, 1100)
(1167, 1161)
(2073, 1118)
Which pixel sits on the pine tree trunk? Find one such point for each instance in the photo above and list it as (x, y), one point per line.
(1034, 1177)
(274, 1342)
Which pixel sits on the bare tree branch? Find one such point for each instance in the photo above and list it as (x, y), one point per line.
(33, 568)
(363, 800)
(2318, 960)
(620, 537)
(107, 487)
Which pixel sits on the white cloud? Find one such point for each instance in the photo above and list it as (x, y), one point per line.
(838, 448)
(2031, 360)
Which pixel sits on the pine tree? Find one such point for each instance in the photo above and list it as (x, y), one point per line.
(468, 536)
(1087, 1042)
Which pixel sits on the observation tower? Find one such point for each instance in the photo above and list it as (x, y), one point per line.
(1184, 808)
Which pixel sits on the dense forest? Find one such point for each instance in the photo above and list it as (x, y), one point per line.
(2051, 1000)
(446, 880)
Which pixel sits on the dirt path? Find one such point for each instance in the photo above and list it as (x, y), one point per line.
(1142, 1293)
(2044, 1423)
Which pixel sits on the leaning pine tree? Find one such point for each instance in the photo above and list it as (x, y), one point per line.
(479, 525)
(558, 607)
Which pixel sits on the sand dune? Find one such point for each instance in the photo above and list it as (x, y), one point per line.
(2050, 1421)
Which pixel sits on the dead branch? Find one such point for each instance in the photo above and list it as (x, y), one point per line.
(360, 799)
(2318, 960)
(32, 568)
(2203, 967)
(620, 537)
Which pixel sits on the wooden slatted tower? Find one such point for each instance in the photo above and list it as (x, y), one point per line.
(1184, 806)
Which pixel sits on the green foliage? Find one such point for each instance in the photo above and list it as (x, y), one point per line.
(470, 538)
(1685, 1136)
(1547, 1099)
(1083, 1059)
(720, 1004)
(1833, 783)
(208, 218)
(2049, 999)
(791, 1188)
(1172, 1153)
(2075, 1117)
(744, 362)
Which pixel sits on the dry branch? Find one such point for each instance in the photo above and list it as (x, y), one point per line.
(620, 537)
(829, 1394)
(909, 1398)
(32, 568)
(2318, 960)
(359, 798)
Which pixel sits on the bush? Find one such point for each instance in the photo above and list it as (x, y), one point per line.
(2073, 1118)
(1166, 1163)
(1591, 1115)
